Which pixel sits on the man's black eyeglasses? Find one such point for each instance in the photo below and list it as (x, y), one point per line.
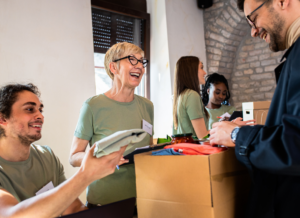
(251, 23)
(134, 61)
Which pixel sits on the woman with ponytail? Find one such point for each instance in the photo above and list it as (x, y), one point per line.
(189, 113)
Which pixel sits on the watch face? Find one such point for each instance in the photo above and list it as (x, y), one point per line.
(234, 133)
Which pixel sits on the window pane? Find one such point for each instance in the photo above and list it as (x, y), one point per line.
(110, 28)
(103, 81)
(140, 90)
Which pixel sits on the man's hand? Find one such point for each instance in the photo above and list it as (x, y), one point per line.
(63, 198)
(220, 134)
(97, 168)
(239, 121)
(122, 161)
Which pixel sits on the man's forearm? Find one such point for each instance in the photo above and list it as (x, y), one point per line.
(53, 202)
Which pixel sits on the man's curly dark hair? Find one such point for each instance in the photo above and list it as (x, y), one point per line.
(9, 95)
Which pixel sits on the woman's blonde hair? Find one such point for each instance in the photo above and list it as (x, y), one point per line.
(117, 51)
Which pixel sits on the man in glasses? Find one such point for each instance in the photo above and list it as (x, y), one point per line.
(272, 151)
(115, 110)
(272, 28)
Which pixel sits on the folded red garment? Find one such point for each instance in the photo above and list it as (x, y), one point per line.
(195, 149)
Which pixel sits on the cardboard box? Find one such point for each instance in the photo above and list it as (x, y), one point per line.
(191, 186)
(256, 110)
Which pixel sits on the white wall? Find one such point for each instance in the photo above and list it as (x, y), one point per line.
(160, 84)
(176, 30)
(185, 25)
(50, 44)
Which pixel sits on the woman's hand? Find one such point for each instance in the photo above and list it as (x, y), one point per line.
(239, 121)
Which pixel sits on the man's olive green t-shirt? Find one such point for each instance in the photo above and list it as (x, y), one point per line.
(189, 107)
(100, 117)
(214, 113)
(23, 179)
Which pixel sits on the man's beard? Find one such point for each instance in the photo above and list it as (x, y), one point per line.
(277, 42)
(28, 139)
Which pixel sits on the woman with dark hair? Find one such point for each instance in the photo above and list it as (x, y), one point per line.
(215, 96)
(189, 113)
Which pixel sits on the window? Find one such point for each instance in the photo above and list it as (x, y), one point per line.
(102, 80)
(110, 28)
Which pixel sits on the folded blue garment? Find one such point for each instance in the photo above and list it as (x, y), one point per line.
(168, 151)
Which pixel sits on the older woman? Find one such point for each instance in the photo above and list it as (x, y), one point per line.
(117, 109)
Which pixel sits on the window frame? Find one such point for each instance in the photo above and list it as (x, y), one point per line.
(104, 5)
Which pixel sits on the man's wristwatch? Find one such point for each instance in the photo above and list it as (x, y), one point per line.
(234, 133)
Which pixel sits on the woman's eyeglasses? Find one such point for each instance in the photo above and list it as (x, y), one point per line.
(134, 61)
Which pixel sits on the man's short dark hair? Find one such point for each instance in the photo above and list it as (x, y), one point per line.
(240, 4)
(9, 95)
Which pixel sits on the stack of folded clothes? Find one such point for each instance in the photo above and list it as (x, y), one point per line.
(117, 140)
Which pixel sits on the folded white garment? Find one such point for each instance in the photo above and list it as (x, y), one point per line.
(225, 115)
(117, 140)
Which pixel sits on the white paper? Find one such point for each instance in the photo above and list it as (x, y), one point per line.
(147, 127)
(146, 147)
(225, 115)
(47, 187)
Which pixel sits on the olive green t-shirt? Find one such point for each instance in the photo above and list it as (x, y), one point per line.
(189, 107)
(100, 117)
(23, 179)
(214, 113)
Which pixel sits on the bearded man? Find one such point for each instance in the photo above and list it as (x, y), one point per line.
(32, 179)
(272, 151)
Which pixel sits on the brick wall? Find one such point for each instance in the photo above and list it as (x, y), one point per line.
(253, 77)
(224, 30)
(246, 62)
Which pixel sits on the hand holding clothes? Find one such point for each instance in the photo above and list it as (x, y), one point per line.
(117, 140)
